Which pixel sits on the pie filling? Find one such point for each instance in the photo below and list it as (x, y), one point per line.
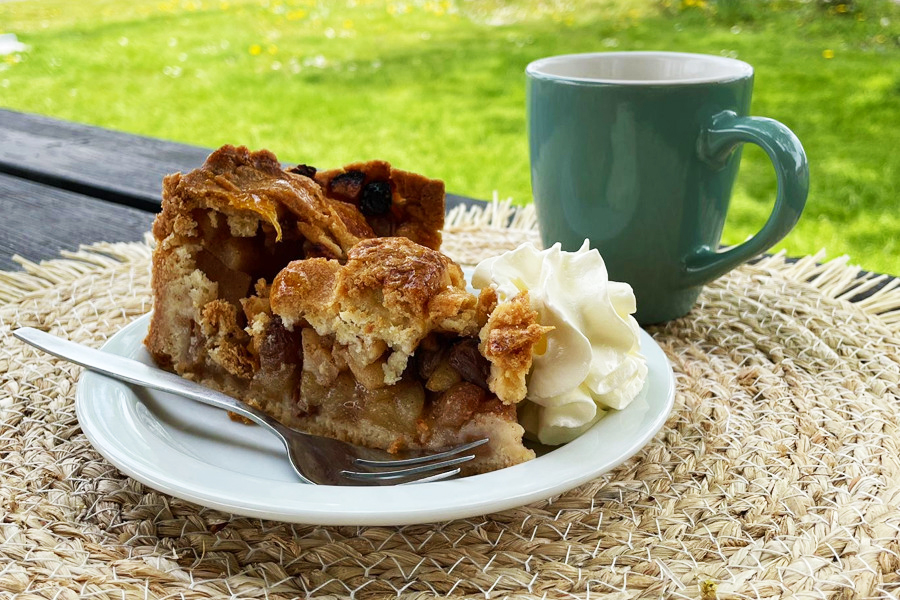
(322, 299)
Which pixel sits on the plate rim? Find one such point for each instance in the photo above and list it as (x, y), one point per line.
(403, 505)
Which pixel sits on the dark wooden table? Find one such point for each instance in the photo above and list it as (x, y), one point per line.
(63, 184)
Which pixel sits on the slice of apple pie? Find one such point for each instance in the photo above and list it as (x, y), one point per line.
(322, 299)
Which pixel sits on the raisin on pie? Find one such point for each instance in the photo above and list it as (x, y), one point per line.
(322, 299)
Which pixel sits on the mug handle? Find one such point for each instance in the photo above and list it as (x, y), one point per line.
(716, 143)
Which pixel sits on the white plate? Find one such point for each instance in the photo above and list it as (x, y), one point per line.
(197, 453)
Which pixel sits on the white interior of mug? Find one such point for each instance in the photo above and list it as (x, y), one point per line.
(635, 68)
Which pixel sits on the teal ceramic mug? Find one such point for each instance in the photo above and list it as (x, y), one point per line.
(638, 152)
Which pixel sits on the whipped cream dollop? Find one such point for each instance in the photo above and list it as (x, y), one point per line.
(591, 360)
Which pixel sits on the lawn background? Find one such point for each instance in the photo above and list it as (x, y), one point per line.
(437, 86)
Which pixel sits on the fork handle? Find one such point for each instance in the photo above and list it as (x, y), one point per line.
(132, 371)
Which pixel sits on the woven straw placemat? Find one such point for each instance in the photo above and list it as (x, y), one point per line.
(777, 474)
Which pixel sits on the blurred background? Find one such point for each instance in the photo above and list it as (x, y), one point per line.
(437, 86)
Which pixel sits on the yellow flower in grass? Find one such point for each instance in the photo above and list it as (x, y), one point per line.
(255, 49)
(828, 53)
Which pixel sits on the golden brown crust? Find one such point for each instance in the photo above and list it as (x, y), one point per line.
(227, 182)
(423, 222)
(271, 288)
(417, 207)
(507, 341)
(237, 218)
(414, 280)
(391, 294)
(238, 182)
(305, 287)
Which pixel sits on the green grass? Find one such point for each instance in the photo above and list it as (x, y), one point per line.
(437, 86)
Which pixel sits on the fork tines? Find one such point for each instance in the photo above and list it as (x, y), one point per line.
(413, 467)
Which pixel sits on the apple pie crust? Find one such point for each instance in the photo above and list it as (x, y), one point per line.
(322, 299)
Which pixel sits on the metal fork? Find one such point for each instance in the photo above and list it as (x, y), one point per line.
(316, 460)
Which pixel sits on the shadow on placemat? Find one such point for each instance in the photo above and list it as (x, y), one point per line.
(777, 474)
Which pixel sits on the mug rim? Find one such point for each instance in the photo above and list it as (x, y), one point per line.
(742, 70)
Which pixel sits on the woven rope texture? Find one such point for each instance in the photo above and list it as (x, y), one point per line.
(777, 475)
